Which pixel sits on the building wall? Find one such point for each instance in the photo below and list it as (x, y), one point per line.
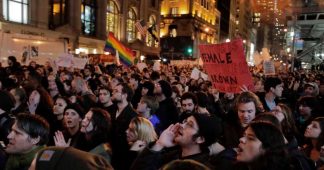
(192, 19)
(71, 33)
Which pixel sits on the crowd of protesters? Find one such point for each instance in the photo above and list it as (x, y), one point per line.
(114, 117)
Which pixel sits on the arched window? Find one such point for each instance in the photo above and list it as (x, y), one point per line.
(88, 17)
(112, 17)
(130, 27)
(16, 10)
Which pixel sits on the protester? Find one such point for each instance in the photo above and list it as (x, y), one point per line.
(147, 108)
(70, 136)
(315, 134)
(192, 136)
(104, 100)
(122, 95)
(96, 129)
(140, 133)
(28, 135)
(21, 100)
(262, 147)
(247, 106)
(273, 88)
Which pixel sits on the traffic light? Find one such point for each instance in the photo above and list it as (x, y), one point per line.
(189, 50)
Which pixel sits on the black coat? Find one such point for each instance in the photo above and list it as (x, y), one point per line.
(167, 114)
(152, 160)
(118, 133)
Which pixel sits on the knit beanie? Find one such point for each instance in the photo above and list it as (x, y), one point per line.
(209, 127)
(166, 88)
(78, 108)
(7, 101)
(67, 158)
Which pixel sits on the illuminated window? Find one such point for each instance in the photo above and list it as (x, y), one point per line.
(16, 10)
(58, 13)
(174, 11)
(112, 17)
(173, 32)
(88, 17)
(130, 27)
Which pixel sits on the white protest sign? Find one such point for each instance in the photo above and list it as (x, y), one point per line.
(67, 60)
(141, 66)
(79, 62)
(204, 76)
(269, 68)
(195, 74)
(64, 60)
(157, 66)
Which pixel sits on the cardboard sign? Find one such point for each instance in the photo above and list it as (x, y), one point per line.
(157, 66)
(79, 62)
(141, 66)
(196, 74)
(226, 66)
(67, 60)
(269, 68)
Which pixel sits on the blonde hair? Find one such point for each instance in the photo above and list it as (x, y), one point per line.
(144, 130)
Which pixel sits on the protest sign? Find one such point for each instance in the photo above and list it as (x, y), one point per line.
(79, 62)
(141, 66)
(226, 66)
(269, 68)
(157, 66)
(195, 74)
(65, 60)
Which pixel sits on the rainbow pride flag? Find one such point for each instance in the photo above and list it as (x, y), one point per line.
(125, 54)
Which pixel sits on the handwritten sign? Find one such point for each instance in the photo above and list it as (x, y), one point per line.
(269, 68)
(226, 66)
(196, 74)
(79, 62)
(67, 60)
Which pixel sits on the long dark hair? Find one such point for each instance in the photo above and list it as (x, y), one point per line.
(275, 156)
(320, 139)
(101, 123)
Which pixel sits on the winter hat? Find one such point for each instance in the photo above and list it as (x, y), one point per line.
(166, 88)
(150, 86)
(67, 158)
(209, 127)
(314, 85)
(77, 108)
(7, 101)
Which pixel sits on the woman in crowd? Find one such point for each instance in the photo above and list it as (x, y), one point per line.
(262, 147)
(96, 126)
(140, 133)
(58, 110)
(315, 135)
(284, 114)
(70, 136)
